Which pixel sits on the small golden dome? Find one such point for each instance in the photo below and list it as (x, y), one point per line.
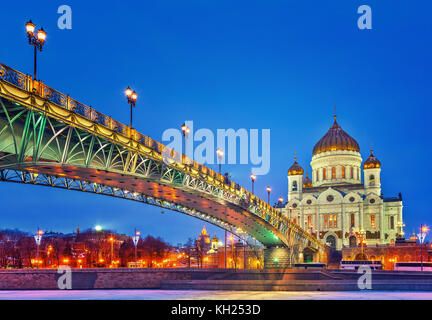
(307, 182)
(336, 139)
(295, 169)
(371, 162)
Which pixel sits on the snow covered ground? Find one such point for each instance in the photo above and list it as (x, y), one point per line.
(208, 295)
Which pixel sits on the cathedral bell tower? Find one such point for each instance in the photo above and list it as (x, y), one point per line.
(295, 181)
(372, 172)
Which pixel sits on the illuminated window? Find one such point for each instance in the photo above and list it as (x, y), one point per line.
(352, 220)
(335, 221)
(372, 221)
(324, 174)
(331, 221)
(326, 221)
(309, 222)
(295, 221)
(343, 172)
(333, 173)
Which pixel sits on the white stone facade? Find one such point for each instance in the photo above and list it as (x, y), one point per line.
(339, 208)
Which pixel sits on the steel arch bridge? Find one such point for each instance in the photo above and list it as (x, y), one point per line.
(48, 138)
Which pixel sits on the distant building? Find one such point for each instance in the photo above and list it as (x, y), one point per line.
(402, 251)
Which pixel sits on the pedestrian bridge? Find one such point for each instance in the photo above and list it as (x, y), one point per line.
(47, 138)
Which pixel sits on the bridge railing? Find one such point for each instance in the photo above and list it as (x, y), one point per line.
(25, 82)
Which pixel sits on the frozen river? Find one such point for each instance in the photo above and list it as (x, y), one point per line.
(209, 295)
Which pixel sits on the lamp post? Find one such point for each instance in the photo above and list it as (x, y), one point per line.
(232, 249)
(362, 241)
(111, 239)
(220, 154)
(253, 178)
(185, 131)
(268, 193)
(36, 39)
(135, 241)
(280, 200)
(38, 239)
(131, 99)
(422, 236)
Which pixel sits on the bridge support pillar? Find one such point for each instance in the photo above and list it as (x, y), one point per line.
(277, 257)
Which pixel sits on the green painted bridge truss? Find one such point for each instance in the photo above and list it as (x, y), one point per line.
(46, 143)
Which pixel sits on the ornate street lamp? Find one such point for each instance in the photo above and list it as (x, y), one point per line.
(268, 193)
(422, 236)
(220, 154)
(36, 39)
(232, 250)
(135, 241)
(185, 130)
(253, 178)
(131, 99)
(362, 234)
(38, 239)
(111, 239)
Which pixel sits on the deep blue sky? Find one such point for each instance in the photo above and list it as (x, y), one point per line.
(281, 65)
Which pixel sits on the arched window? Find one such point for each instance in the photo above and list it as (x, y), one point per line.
(333, 173)
(352, 241)
(309, 223)
(352, 173)
(294, 186)
(392, 223)
(352, 220)
(343, 172)
(372, 217)
(335, 221)
(324, 174)
(372, 180)
(331, 241)
(325, 221)
(317, 175)
(358, 174)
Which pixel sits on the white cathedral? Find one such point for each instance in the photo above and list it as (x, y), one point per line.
(336, 206)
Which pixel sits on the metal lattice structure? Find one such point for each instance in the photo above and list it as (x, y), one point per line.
(47, 138)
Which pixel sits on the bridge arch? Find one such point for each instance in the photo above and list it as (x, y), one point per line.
(45, 134)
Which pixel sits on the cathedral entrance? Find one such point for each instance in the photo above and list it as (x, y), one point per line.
(352, 242)
(331, 242)
(361, 256)
(307, 255)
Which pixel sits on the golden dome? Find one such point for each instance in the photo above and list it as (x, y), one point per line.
(371, 162)
(336, 139)
(295, 169)
(307, 182)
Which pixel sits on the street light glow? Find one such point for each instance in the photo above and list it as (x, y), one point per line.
(41, 35)
(30, 27)
(128, 92)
